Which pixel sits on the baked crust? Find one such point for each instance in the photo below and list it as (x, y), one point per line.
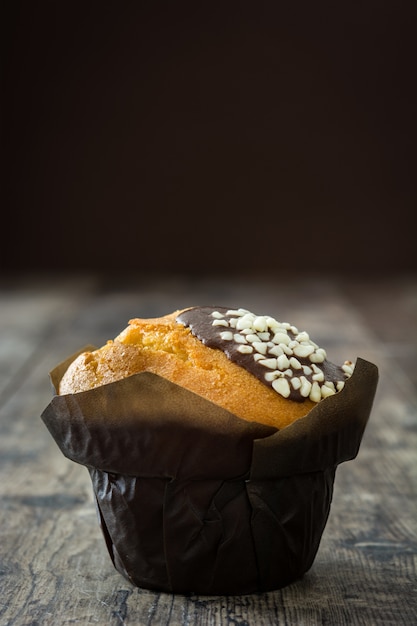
(167, 348)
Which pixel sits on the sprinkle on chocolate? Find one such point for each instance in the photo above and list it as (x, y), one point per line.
(277, 353)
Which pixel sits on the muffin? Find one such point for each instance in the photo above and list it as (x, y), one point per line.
(212, 437)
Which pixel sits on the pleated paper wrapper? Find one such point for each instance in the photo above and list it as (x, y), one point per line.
(193, 499)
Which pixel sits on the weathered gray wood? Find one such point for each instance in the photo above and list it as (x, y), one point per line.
(54, 568)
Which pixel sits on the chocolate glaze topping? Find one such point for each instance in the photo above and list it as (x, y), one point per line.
(277, 353)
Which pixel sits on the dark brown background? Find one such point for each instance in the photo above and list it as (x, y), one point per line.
(209, 136)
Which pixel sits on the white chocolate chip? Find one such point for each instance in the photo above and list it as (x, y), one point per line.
(226, 335)
(327, 391)
(348, 367)
(315, 393)
(281, 338)
(307, 370)
(305, 387)
(281, 385)
(239, 338)
(260, 324)
(340, 384)
(271, 363)
(264, 336)
(219, 322)
(270, 376)
(260, 347)
(282, 362)
(245, 349)
(250, 337)
(303, 351)
(276, 351)
(272, 323)
(244, 322)
(296, 382)
(302, 337)
(318, 356)
(217, 314)
(319, 377)
(295, 363)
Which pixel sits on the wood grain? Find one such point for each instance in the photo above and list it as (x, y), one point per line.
(54, 568)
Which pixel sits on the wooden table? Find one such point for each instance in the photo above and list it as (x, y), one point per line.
(54, 568)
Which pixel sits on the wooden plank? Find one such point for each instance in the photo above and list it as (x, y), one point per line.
(53, 564)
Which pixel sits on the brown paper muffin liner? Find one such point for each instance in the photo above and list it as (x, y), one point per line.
(191, 498)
